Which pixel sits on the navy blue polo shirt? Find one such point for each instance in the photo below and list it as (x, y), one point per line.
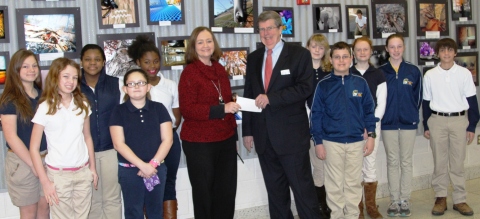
(141, 127)
(102, 102)
(24, 130)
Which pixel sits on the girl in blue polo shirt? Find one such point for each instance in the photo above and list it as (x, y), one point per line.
(17, 107)
(141, 132)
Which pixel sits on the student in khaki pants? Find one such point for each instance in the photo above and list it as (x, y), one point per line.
(449, 92)
(337, 128)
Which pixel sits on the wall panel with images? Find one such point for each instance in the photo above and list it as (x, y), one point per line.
(4, 27)
(117, 14)
(50, 32)
(115, 46)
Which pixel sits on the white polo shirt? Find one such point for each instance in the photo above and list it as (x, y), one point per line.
(64, 132)
(165, 92)
(447, 90)
(361, 22)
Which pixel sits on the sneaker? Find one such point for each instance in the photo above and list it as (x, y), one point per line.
(405, 209)
(393, 209)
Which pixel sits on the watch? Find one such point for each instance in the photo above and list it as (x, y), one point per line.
(372, 134)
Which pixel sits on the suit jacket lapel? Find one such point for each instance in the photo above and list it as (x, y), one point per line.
(258, 68)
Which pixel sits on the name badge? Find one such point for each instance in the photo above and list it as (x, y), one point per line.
(285, 72)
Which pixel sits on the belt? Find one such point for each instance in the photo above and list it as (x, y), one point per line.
(41, 154)
(130, 165)
(68, 168)
(449, 114)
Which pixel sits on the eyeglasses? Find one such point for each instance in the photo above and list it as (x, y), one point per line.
(266, 29)
(341, 57)
(134, 84)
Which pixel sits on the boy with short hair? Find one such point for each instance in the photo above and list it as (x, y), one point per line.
(342, 109)
(449, 92)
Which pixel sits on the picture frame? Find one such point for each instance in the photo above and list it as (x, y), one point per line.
(426, 54)
(351, 12)
(466, 36)
(259, 45)
(117, 14)
(222, 18)
(235, 61)
(461, 10)
(172, 52)
(237, 91)
(288, 19)
(50, 32)
(379, 56)
(432, 18)
(469, 60)
(115, 46)
(327, 18)
(389, 17)
(4, 27)
(165, 13)
(4, 60)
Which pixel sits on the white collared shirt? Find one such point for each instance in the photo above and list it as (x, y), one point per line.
(64, 132)
(275, 54)
(447, 90)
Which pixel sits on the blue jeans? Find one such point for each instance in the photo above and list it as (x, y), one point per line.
(171, 161)
(135, 195)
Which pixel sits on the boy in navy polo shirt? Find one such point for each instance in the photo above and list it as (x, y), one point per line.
(449, 92)
(342, 109)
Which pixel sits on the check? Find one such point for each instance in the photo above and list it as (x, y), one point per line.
(248, 105)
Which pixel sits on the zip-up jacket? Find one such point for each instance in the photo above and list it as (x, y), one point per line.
(342, 109)
(404, 96)
(102, 102)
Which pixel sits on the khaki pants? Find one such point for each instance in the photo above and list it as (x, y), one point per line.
(399, 148)
(448, 143)
(74, 190)
(318, 172)
(369, 169)
(343, 168)
(106, 200)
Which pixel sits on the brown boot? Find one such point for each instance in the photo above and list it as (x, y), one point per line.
(360, 207)
(440, 206)
(170, 209)
(463, 209)
(370, 200)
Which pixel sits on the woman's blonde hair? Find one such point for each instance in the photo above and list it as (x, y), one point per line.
(321, 40)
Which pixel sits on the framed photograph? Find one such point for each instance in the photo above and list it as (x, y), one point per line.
(4, 31)
(432, 16)
(259, 45)
(426, 54)
(165, 13)
(287, 19)
(235, 61)
(389, 17)
(469, 60)
(461, 10)
(426, 68)
(117, 14)
(4, 60)
(172, 52)
(379, 56)
(233, 16)
(328, 18)
(357, 21)
(467, 36)
(50, 32)
(117, 61)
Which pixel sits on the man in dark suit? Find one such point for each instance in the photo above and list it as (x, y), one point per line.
(279, 78)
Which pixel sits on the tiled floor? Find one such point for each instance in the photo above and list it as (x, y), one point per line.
(422, 202)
